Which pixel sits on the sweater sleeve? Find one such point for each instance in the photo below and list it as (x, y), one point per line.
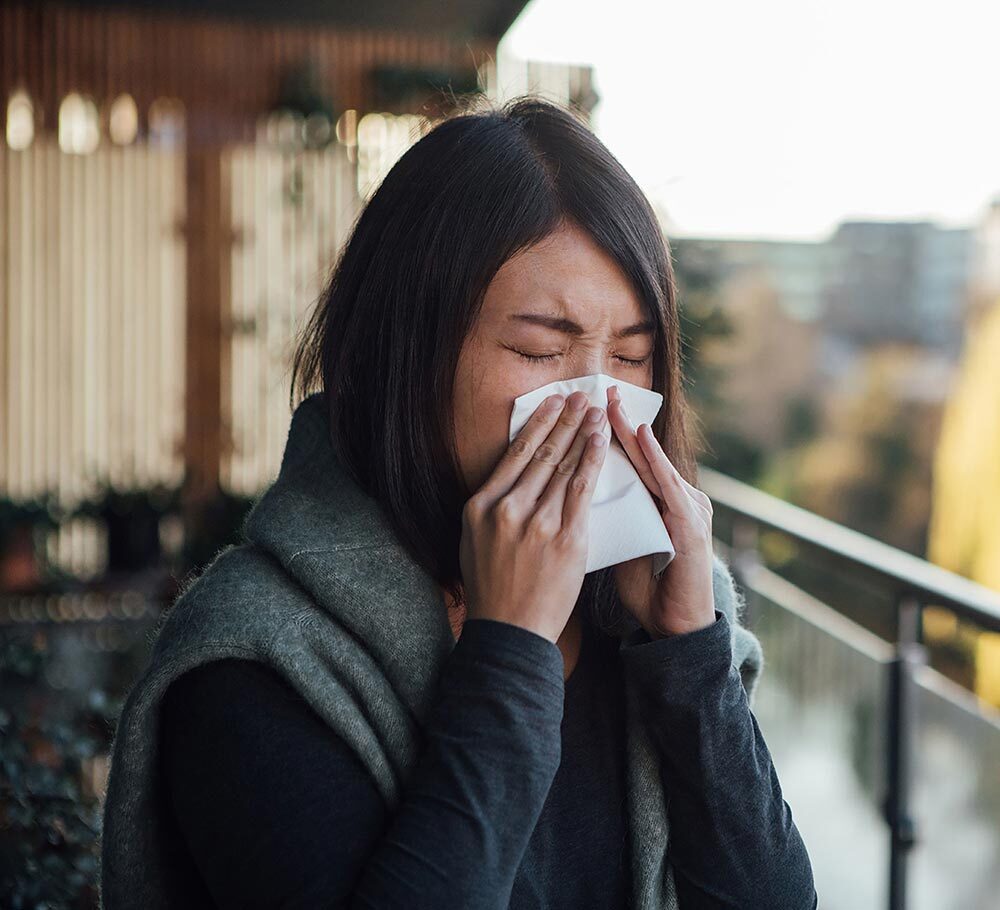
(733, 842)
(277, 810)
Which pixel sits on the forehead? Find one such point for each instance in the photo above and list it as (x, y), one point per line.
(567, 273)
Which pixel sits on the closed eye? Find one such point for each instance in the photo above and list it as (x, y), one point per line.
(538, 358)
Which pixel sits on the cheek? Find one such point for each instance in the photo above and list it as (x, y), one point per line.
(485, 389)
(482, 414)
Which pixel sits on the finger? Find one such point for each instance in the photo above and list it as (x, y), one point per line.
(553, 498)
(622, 426)
(674, 491)
(699, 496)
(522, 449)
(549, 456)
(580, 489)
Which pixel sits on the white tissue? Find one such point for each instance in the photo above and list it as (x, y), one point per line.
(624, 520)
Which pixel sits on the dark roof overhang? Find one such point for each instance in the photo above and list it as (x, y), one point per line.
(471, 18)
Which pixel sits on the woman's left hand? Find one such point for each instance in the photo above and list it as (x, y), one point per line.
(682, 599)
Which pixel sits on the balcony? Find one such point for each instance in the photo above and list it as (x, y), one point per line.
(890, 766)
(180, 252)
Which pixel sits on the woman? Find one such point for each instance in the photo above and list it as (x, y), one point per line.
(403, 690)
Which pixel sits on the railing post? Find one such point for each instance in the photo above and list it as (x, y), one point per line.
(901, 739)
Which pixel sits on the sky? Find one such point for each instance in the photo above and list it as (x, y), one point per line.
(781, 118)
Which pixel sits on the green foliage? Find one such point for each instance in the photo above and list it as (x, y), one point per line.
(49, 824)
(802, 422)
(697, 270)
(702, 321)
(54, 741)
(733, 454)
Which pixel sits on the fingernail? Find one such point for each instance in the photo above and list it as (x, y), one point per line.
(553, 402)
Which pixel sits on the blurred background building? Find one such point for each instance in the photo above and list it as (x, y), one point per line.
(176, 181)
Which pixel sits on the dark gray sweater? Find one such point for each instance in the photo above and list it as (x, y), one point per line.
(324, 593)
(253, 772)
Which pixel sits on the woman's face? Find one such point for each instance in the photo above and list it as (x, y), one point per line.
(564, 299)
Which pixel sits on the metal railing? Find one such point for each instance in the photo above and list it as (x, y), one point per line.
(909, 582)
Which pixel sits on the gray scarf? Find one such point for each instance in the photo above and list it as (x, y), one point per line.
(323, 592)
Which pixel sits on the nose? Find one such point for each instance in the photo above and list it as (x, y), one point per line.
(588, 363)
(587, 366)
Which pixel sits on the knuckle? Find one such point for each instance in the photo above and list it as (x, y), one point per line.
(566, 467)
(579, 484)
(472, 510)
(506, 510)
(546, 453)
(543, 526)
(520, 446)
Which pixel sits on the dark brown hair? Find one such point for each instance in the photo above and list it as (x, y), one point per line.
(384, 340)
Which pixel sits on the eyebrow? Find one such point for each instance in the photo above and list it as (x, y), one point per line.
(569, 327)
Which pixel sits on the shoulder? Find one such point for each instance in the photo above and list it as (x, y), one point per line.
(243, 694)
(244, 708)
(220, 680)
(222, 701)
(240, 723)
(242, 595)
(238, 726)
(249, 770)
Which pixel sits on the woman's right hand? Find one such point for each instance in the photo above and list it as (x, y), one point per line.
(525, 531)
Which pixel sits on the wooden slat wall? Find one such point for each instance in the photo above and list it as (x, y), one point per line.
(291, 213)
(150, 294)
(91, 319)
(132, 279)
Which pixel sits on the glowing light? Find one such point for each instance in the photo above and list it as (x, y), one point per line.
(123, 120)
(79, 130)
(20, 121)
